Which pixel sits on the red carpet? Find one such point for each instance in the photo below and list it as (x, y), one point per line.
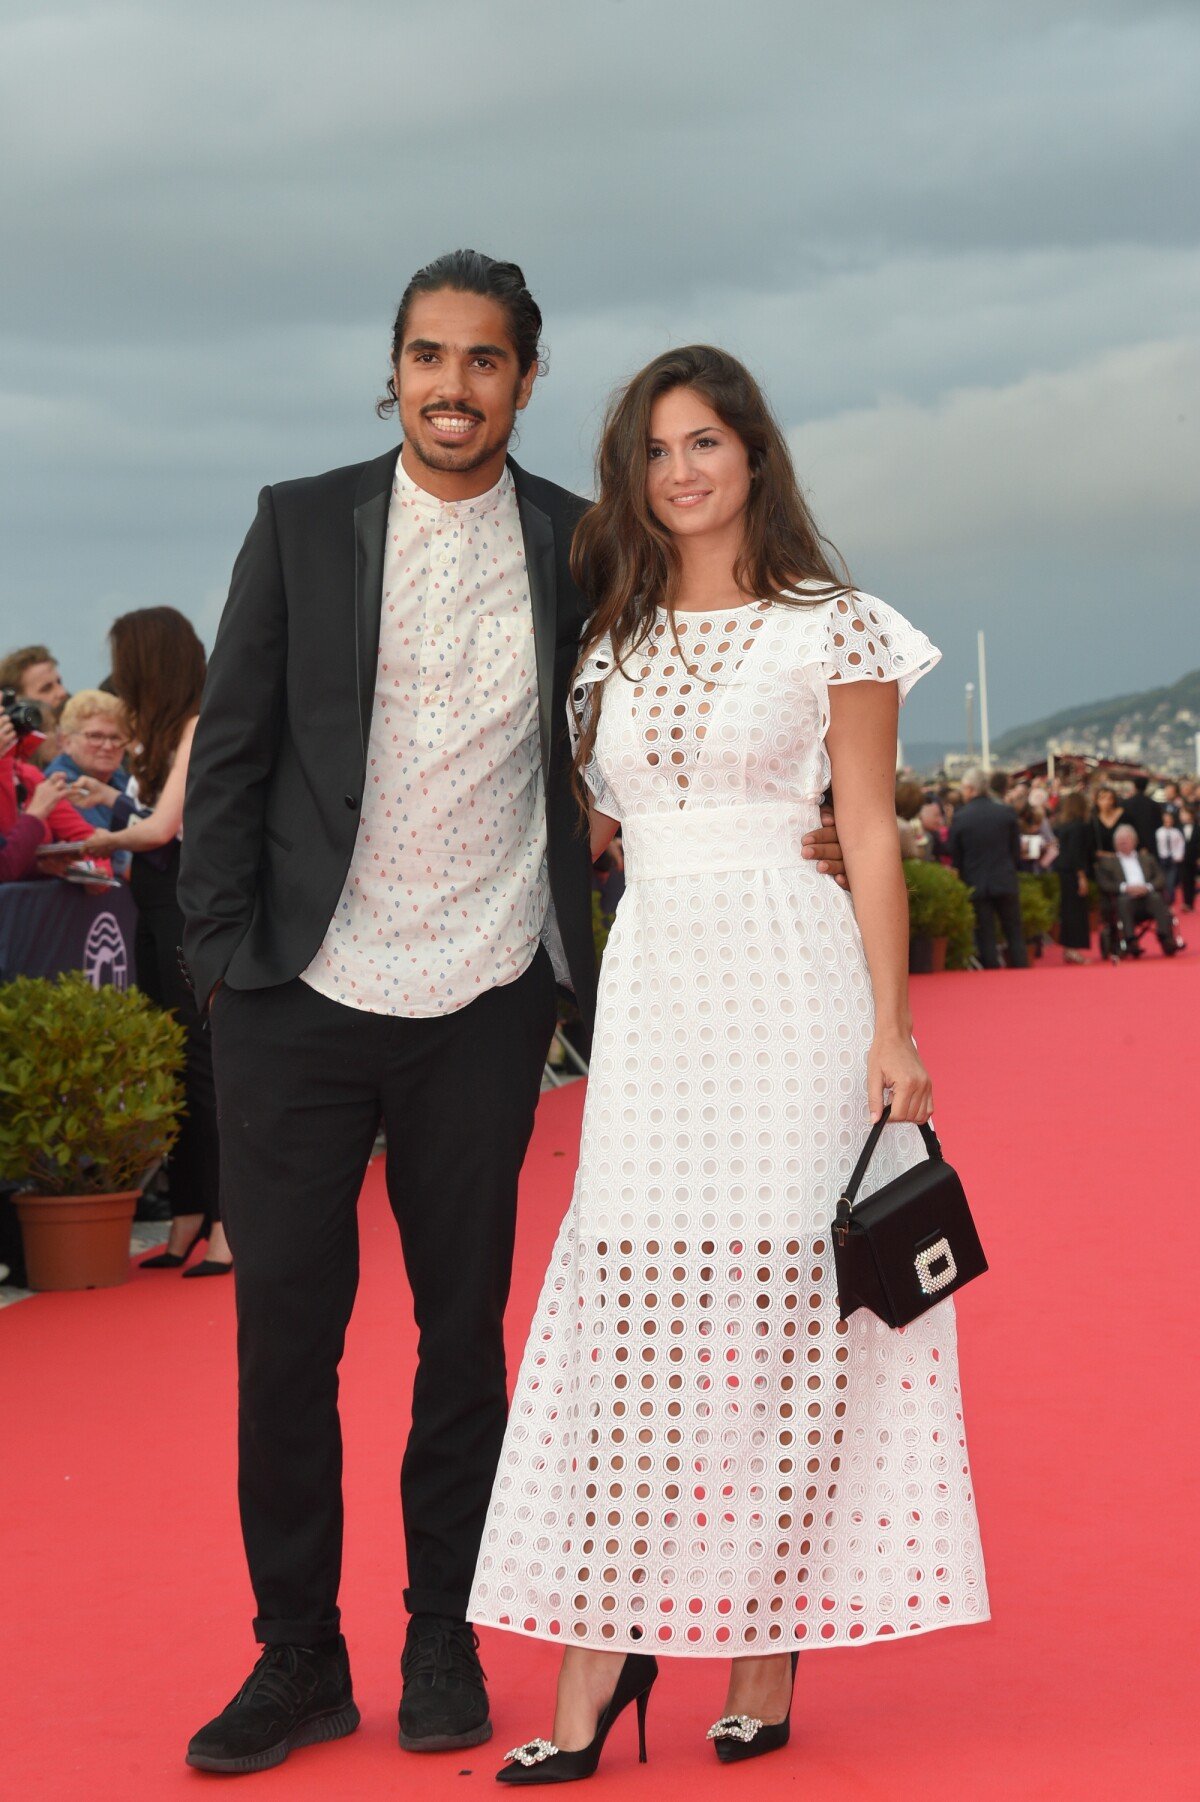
(1066, 1098)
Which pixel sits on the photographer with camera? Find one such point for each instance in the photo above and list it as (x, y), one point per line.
(32, 674)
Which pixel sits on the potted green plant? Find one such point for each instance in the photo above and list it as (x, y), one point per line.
(940, 917)
(1039, 908)
(1051, 886)
(90, 1097)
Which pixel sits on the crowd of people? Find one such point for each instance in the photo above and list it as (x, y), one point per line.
(91, 790)
(92, 785)
(1132, 845)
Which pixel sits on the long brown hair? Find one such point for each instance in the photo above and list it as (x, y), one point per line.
(158, 671)
(627, 563)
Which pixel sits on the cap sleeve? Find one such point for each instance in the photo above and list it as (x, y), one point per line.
(583, 699)
(862, 639)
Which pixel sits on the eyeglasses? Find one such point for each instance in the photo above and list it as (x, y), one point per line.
(100, 741)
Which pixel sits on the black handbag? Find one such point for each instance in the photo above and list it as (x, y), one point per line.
(910, 1244)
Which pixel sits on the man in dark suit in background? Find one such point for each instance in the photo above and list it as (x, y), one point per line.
(384, 871)
(1143, 813)
(985, 849)
(1189, 819)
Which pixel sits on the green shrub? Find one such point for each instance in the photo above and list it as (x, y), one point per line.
(1039, 902)
(90, 1089)
(1051, 894)
(939, 907)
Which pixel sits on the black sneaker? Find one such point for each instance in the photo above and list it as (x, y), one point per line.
(294, 1696)
(444, 1705)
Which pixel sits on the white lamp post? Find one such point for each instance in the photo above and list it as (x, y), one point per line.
(985, 743)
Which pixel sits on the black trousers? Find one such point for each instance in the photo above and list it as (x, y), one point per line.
(1132, 908)
(1006, 909)
(195, 1186)
(302, 1084)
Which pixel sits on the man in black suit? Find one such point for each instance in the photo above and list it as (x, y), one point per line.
(1190, 822)
(383, 873)
(985, 848)
(1143, 813)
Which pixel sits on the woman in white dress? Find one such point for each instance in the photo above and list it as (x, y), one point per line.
(701, 1459)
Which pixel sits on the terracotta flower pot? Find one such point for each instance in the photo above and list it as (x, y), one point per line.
(76, 1241)
(939, 954)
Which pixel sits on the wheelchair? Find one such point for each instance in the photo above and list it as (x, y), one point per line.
(1116, 945)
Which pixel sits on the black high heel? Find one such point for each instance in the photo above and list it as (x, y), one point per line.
(738, 1736)
(540, 1761)
(171, 1260)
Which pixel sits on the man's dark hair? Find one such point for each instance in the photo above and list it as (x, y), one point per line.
(998, 783)
(1141, 784)
(471, 272)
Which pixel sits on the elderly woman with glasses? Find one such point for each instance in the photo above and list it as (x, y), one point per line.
(93, 733)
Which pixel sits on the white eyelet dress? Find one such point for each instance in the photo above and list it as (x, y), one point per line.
(700, 1459)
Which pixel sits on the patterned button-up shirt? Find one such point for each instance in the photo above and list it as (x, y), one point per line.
(447, 892)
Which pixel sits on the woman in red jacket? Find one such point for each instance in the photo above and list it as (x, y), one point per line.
(33, 812)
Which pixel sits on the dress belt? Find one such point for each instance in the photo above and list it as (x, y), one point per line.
(705, 841)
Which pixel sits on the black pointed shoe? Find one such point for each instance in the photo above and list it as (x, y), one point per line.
(171, 1260)
(541, 1761)
(739, 1736)
(294, 1696)
(444, 1705)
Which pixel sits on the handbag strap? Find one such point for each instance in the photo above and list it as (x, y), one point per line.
(932, 1146)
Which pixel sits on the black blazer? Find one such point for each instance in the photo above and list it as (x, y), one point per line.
(1191, 848)
(1144, 814)
(278, 764)
(985, 845)
(1110, 877)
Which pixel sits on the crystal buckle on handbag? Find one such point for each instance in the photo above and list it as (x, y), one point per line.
(932, 1280)
(534, 1751)
(734, 1726)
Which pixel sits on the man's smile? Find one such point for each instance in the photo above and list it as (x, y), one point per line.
(452, 425)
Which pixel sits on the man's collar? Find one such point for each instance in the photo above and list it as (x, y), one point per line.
(406, 489)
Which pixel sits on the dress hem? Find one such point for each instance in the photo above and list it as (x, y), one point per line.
(840, 1641)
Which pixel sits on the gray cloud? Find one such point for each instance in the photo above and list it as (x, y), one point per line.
(959, 244)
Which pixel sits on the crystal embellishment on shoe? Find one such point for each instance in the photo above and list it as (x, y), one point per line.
(735, 1726)
(534, 1751)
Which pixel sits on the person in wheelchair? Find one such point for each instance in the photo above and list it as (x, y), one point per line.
(1131, 884)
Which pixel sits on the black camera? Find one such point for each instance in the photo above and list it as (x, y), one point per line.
(25, 716)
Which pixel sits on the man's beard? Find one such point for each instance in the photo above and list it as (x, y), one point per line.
(444, 457)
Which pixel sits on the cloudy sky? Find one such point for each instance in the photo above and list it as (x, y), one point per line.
(958, 240)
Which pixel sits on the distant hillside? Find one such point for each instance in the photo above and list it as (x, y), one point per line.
(1158, 726)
